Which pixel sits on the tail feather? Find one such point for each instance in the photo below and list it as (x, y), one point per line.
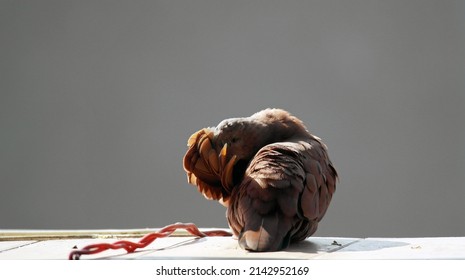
(265, 233)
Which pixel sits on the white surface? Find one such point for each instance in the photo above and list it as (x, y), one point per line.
(403, 248)
(227, 248)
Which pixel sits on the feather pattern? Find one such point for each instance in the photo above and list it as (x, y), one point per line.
(274, 177)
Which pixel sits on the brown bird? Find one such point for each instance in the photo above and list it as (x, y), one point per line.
(272, 174)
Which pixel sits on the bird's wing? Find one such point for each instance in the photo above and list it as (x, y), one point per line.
(285, 193)
(206, 168)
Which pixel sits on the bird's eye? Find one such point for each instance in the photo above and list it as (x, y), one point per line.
(234, 140)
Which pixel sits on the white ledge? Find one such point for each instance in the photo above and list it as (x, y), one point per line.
(58, 245)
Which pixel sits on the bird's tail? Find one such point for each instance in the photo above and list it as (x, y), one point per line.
(271, 234)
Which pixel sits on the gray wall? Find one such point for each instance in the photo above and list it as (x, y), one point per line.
(98, 98)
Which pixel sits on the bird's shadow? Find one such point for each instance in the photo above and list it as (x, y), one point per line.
(332, 245)
(305, 246)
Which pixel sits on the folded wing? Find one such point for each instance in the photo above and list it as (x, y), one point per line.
(284, 194)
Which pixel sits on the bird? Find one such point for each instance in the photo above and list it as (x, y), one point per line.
(274, 177)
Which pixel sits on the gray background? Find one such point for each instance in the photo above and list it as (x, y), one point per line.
(98, 98)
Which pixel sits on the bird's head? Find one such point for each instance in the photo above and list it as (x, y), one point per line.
(243, 137)
(239, 138)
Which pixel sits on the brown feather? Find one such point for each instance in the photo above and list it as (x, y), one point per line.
(273, 175)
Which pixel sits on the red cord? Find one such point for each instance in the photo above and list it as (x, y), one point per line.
(146, 240)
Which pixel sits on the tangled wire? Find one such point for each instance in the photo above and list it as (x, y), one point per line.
(144, 241)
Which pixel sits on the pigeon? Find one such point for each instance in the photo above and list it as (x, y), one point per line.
(274, 177)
